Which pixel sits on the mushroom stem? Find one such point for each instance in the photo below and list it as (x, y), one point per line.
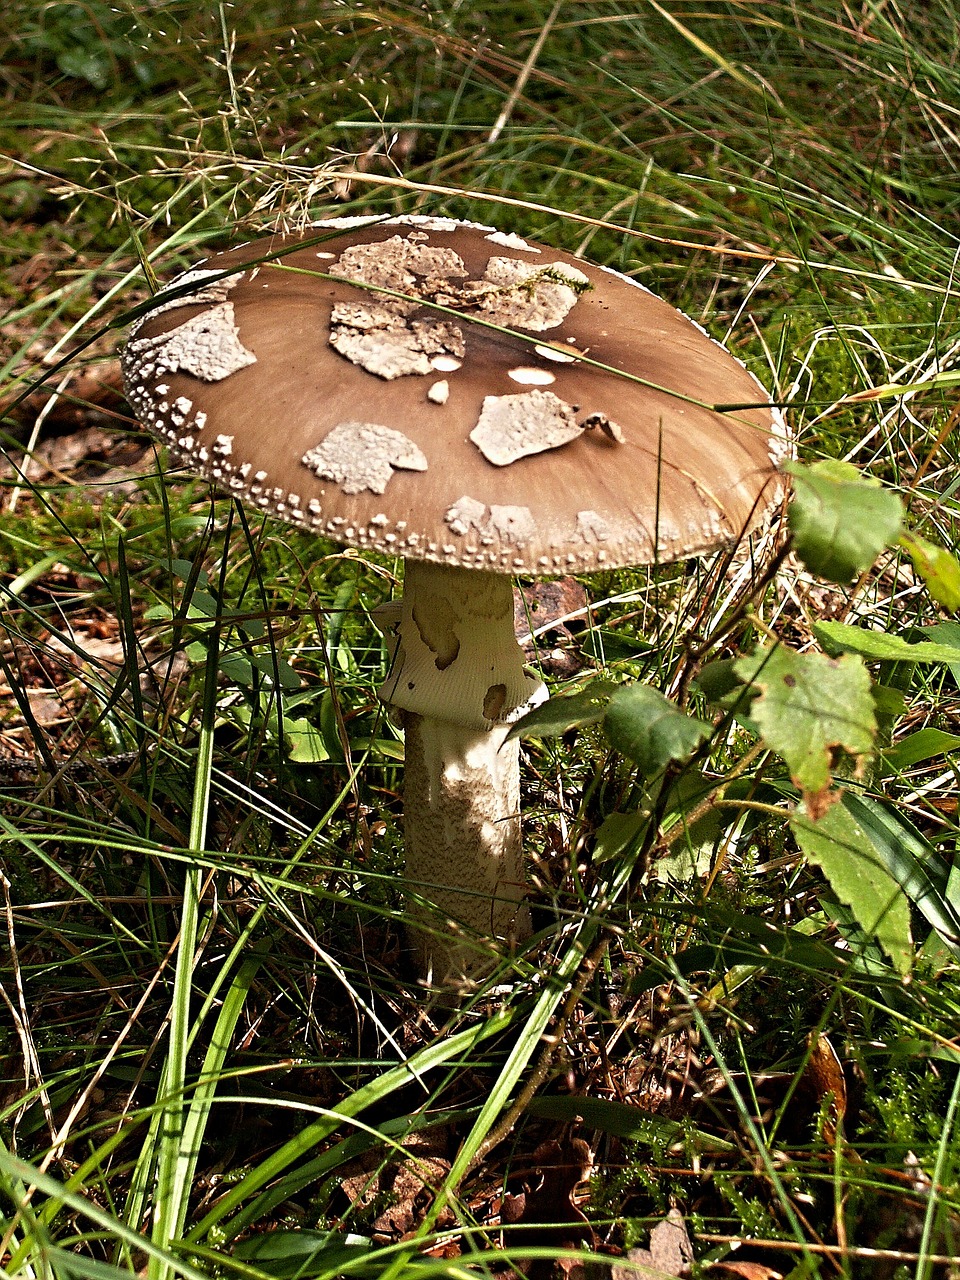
(458, 677)
(462, 838)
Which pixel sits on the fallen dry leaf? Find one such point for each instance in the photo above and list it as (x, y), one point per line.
(824, 1078)
(548, 1216)
(543, 604)
(546, 608)
(397, 1190)
(746, 1270)
(670, 1252)
(46, 709)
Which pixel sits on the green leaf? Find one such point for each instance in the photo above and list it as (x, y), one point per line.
(284, 1253)
(624, 1121)
(691, 852)
(569, 711)
(305, 744)
(919, 868)
(609, 646)
(810, 704)
(716, 680)
(919, 746)
(881, 646)
(617, 833)
(750, 941)
(330, 727)
(937, 567)
(647, 728)
(382, 748)
(86, 64)
(259, 1190)
(247, 670)
(839, 846)
(840, 520)
(894, 390)
(889, 703)
(947, 633)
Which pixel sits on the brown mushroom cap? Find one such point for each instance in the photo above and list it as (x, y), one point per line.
(363, 382)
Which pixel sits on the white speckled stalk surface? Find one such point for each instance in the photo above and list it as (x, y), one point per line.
(462, 828)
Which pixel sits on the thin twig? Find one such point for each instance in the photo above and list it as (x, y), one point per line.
(852, 1251)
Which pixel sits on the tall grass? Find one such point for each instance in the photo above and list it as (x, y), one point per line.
(213, 1056)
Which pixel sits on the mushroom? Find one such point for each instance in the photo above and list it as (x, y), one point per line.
(483, 407)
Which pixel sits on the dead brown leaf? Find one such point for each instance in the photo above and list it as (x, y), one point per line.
(555, 611)
(396, 1191)
(669, 1255)
(746, 1270)
(824, 1078)
(548, 1216)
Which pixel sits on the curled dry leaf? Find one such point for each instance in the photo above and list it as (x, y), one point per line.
(548, 1216)
(824, 1078)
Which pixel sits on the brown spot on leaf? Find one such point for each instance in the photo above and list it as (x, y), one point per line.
(818, 802)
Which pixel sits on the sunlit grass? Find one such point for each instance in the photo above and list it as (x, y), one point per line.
(205, 986)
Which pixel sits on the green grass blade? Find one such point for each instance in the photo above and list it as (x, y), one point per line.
(12, 1167)
(168, 1202)
(446, 1049)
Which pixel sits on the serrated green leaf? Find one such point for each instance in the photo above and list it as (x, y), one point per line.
(881, 646)
(838, 845)
(568, 711)
(810, 704)
(937, 567)
(840, 520)
(647, 728)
